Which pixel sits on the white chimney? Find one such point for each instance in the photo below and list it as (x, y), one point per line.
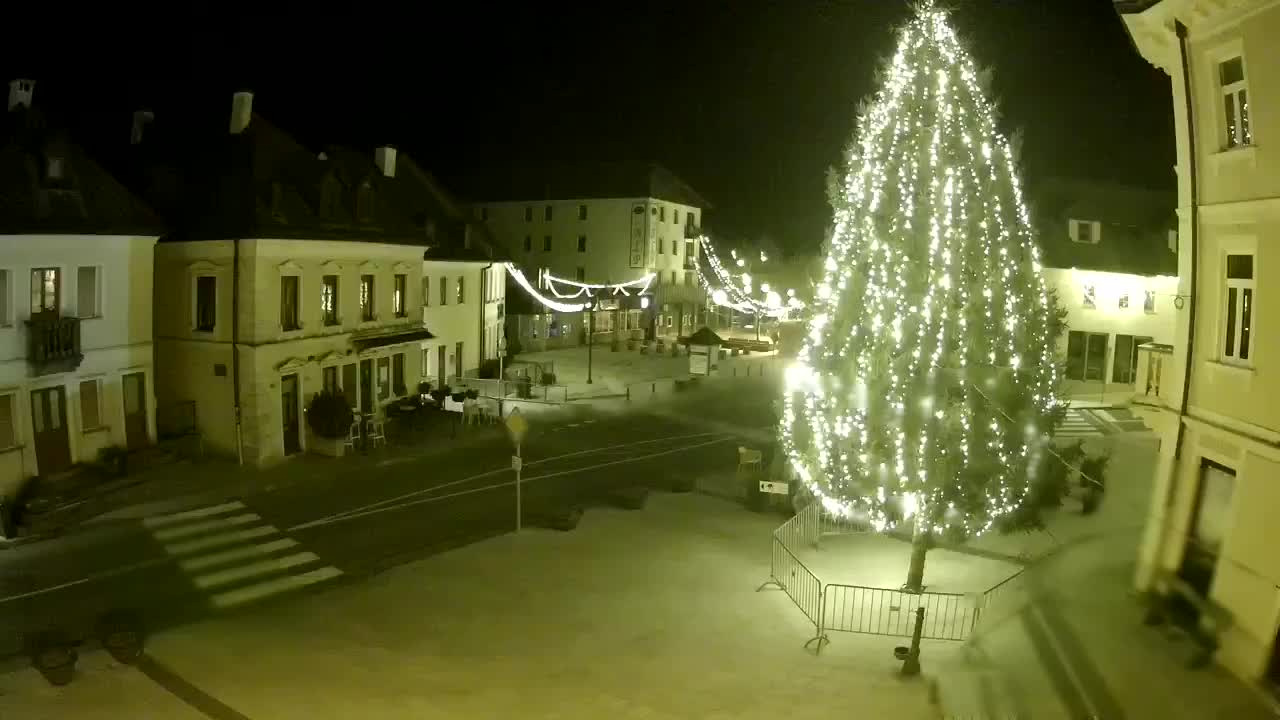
(140, 120)
(385, 158)
(20, 93)
(241, 111)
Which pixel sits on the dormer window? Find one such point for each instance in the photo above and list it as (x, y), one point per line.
(364, 201)
(1085, 231)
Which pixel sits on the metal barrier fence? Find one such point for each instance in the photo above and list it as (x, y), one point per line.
(512, 389)
(877, 611)
(869, 610)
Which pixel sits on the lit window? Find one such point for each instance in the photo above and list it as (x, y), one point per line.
(1090, 295)
(461, 295)
(1238, 309)
(1235, 103)
(398, 292)
(1085, 231)
(1124, 301)
(329, 299)
(1149, 302)
(366, 298)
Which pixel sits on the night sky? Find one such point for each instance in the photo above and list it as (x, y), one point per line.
(749, 101)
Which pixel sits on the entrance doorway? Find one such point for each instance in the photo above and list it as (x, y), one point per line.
(135, 410)
(457, 361)
(1125, 365)
(1086, 355)
(366, 386)
(289, 414)
(441, 368)
(49, 426)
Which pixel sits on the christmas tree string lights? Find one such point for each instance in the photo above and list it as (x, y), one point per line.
(927, 384)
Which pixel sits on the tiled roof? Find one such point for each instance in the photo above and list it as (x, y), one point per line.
(50, 185)
(583, 181)
(1135, 226)
(418, 194)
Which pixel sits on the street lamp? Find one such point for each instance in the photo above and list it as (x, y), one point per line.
(591, 332)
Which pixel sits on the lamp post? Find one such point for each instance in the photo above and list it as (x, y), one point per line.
(591, 332)
(502, 380)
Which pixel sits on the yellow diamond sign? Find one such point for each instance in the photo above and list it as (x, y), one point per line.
(517, 425)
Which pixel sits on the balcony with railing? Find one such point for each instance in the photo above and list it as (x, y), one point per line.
(53, 343)
(1156, 380)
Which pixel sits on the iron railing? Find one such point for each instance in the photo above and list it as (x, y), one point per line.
(512, 389)
(53, 343)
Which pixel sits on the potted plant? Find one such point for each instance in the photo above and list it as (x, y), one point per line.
(424, 389)
(548, 378)
(439, 394)
(473, 394)
(458, 395)
(329, 417)
(1093, 482)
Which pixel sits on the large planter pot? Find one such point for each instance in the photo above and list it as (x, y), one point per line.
(54, 657)
(330, 447)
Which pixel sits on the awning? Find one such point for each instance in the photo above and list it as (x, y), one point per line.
(369, 342)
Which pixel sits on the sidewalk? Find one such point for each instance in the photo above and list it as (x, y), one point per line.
(612, 372)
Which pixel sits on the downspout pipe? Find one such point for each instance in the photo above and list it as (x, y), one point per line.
(1195, 241)
(235, 350)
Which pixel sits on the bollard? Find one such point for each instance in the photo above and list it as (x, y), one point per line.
(911, 663)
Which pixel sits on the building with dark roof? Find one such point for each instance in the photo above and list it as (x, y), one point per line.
(1110, 254)
(292, 270)
(75, 301)
(598, 223)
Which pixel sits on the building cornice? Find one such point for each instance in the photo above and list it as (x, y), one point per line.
(1152, 25)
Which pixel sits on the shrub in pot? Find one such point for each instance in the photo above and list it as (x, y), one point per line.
(329, 416)
(473, 394)
(548, 378)
(458, 395)
(488, 369)
(424, 388)
(1093, 467)
(440, 394)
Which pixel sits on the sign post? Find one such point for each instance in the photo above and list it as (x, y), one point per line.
(517, 426)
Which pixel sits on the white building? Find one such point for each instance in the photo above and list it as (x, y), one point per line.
(1110, 255)
(603, 224)
(319, 286)
(1211, 534)
(75, 304)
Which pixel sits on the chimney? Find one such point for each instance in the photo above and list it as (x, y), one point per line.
(241, 111)
(20, 93)
(385, 158)
(140, 120)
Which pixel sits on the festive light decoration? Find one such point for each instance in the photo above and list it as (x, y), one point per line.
(587, 291)
(927, 385)
(735, 291)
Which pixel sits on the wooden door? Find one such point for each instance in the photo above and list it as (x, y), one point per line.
(457, 361)
(441, 366)
(289, 414)
(49, 428)
(366, 386)
(134, 386)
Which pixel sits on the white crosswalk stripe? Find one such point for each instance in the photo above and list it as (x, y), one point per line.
(235, 555)
(1075, 426)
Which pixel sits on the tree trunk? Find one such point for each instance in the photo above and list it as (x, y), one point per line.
(919, 546)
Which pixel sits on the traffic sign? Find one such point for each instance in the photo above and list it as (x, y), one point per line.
(517, 426)
(516, 463)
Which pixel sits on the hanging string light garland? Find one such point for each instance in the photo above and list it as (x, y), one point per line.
(734, 290)
(584, 290)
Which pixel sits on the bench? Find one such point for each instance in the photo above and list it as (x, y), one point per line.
(1204, 629)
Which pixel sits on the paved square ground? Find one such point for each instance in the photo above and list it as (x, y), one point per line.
(648, 614)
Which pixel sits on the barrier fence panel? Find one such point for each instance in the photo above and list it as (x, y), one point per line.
(1000, 601)
(800, 584)
(878, 611)
(802, 529)
(512, 389)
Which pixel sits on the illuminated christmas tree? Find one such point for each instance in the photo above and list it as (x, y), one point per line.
(926, 391)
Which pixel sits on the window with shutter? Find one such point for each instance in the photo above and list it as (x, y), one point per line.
(90, 405)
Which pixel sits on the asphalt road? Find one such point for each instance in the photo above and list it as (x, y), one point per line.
(177, 569)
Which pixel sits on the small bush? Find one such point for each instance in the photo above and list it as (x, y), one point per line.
(1096, 468)
(440, 394)
(458, 395)
(424, 388)
(329, 415)
(473, 394)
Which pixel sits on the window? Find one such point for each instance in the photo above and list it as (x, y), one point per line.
(367, 298)
(582, 212)
(444, 290)
(528, 214)
(1090, 295)
(546, 243)
(90, 405)
(329, 299)
(1235, 102)
(46, 290)
(289, 302)
(582, 243)
(546, 213)
(384, 378)
(528, 243)
(1238, 330)
(398, 295)
(581, 274)
(8, 428)
(662, 213)
(1149, 302)
(6, 317)
(426, 291)
(1123, 303)
(675, 216)
(1085, 231)
(484, 214)
(206, 303)
(329, 378)
(461, 295)
(675, 247)
(673, 278)
(88, 303)
(397, 374)
(349, 385)
(661, 245)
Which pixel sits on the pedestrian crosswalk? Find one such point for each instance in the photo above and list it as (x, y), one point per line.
(234, 556)
(1079, 424)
